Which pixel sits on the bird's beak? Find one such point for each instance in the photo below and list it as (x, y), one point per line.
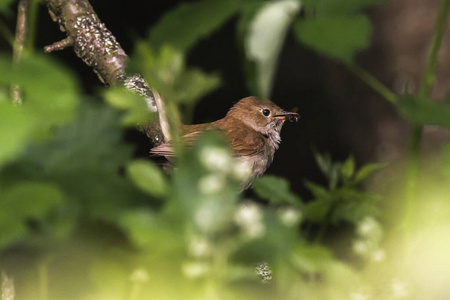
(288, 115)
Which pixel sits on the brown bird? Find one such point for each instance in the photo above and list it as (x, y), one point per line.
(252, 128)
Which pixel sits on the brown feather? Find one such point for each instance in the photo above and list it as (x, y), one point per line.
(251, 127)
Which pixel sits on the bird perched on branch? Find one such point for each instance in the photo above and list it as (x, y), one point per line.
(251, 127)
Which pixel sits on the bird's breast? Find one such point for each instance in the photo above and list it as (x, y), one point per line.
(258, 163)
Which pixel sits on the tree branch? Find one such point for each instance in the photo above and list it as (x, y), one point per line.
(19, 44)
(99, 49)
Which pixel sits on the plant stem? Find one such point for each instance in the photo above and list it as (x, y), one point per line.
(416, 132)
(43, 279)
(21, 34)
(32, 21)
(429, 76)
(374, 83)
(6, 33)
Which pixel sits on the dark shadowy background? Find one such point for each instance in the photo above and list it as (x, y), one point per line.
(339, 113)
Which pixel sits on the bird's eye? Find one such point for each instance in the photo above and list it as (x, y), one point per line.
(266, 112)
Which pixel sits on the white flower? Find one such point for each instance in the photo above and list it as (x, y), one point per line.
(199, 247)
(399, 289)
(263, 270)
(139, 275)
(195, 270)
(370, 228)
(361, 247)
(249, 217)
(378, 255)
(211, 184)
(205, 217)
(358, 296)
(215, 159)
(247, 214)
(241, 170)
(290, 216)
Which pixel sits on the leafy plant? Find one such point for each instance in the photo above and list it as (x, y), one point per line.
(80, 217)
(341, 201)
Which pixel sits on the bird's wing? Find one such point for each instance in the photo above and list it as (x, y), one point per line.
(167, 149)
(245, 142)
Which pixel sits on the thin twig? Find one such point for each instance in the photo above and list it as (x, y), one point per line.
(374, 83)
(416, 132)
(19, 44)
(429, 75)
(7, 34)
(33, 12)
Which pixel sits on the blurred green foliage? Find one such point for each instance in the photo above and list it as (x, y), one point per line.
(80, 218)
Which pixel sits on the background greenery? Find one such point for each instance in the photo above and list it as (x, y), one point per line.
(82, 216)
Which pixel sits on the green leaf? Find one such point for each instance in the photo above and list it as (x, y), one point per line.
(16, 129)
(348, 168)
(24, 201)
(339, 37)
(425, 111)
(12, 230)
(330, 7)
(311, 258)
(90, 142)
(51, 92)
(194, 84)
(148, 177)
(354, 210)
(266, 34)
(276, 190)
(367, 170)
(30, 199)
(318, 191)
(166, 72)
(316, 211)
(134, 105)
(247, 15)
(4, 6)
(146, 229)
(183, 26)
(323, 162)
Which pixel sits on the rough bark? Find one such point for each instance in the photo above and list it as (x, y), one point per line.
(99, 49)
(19, 44)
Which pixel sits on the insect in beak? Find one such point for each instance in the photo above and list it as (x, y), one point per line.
(288, 115)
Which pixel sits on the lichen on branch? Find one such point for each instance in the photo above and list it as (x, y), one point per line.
(99, 49)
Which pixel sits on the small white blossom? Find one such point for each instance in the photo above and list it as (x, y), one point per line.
(215, 159)
(249, 217)
(211, 184)
(378, 255)
(139, 275)
(255, 230)
(241, 170)
(205, 217)
(290, 216)
(361, 247)
(263, 270)
(370, 228)
(399, 289)
(358, 296)
(194, 270)
(247, 214)
(200, 247)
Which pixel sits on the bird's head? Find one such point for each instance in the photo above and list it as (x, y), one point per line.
(262, 115)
